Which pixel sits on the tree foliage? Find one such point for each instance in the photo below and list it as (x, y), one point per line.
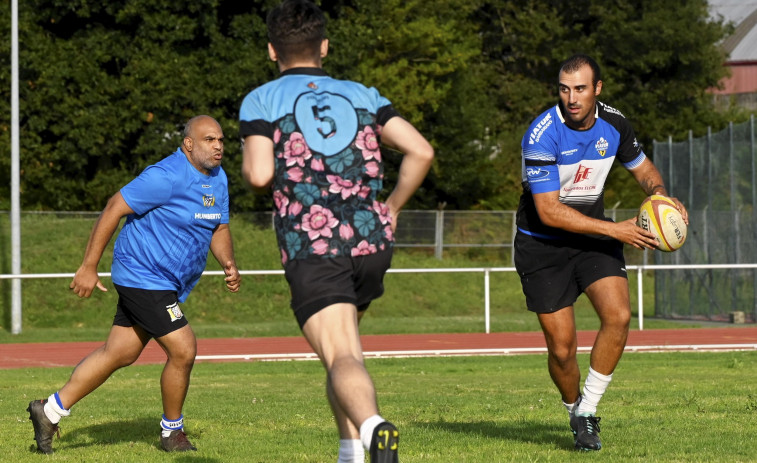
(107, 86)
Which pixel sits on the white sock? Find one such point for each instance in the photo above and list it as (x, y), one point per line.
(594, 388)
(366, 430)
(351, 451)
(569, 407)
(169, 426)
(54, 409)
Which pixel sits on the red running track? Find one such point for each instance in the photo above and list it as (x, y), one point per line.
(61, 354)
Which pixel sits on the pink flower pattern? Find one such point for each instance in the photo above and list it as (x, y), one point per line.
(319, 222)
(340, 185)
(327, 206)
(364, 249)
(345, 231)
(280, 202)
(296, 151)
(367, 142)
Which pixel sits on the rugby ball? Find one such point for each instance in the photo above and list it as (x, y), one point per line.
(658, 214)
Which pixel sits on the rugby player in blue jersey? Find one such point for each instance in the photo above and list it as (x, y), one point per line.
(176, 210)
(315, 140)
(565, 245)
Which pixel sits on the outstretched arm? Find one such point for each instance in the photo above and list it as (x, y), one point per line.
(86, 278)
(402, 136)
(223, 250)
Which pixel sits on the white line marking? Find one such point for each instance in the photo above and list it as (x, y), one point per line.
(474, 352)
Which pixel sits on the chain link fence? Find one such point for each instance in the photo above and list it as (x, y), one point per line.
(715, 177)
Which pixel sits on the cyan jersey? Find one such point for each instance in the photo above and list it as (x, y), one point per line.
(575, 162)
(328, 162)
(165, 243)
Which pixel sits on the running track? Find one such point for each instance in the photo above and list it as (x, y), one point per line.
(61, 354)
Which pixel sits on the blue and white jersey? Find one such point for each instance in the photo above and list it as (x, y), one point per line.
(328, 166)
(165, 243)
(575, 162)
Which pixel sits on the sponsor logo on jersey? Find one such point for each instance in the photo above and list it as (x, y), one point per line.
(174, 311)
(535, 173)
(312, 85)
(601, 146)
(205, 186)
(610, 109)
(582, 174)
(201, 216)
(539, 129)
(208, 200)
(569, 152)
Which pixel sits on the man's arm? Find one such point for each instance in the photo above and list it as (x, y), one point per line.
(223, 250)
(257, 162)
(651, 182)
(553, 213)
(86, 278)
(418, 156)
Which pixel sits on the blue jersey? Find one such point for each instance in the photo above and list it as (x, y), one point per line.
(165, 243)
(575, 162)
(328, 166)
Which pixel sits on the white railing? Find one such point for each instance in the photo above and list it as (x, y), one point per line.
(485, 270)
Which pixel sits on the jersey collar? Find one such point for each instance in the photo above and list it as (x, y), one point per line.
(305, 71)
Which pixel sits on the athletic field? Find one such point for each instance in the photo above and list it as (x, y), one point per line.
(678, 395)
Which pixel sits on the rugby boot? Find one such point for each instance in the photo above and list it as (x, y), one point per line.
(44, 429)
(176, 442)
(384, 444)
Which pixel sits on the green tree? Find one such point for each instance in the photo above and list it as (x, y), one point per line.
(427, 60)
(107, 86)
(657, 58)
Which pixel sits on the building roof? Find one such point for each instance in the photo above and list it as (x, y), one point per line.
(742, 44)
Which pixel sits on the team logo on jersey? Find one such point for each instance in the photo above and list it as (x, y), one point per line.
(208, 200)
(312, 85)
(582, 174)
(601, 146)
(174, 311)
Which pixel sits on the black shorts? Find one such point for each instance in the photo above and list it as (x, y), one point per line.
(155, 311)
(553, 273)
(318, 283)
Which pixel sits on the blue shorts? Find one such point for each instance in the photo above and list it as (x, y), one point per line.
(318, 283)
(155, 311)
(553, 273)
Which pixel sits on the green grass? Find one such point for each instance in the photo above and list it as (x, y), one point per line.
(664, 407)
(413, 303)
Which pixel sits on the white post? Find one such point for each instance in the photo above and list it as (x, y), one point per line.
(15, 173)
(640, 290)
(486, 299)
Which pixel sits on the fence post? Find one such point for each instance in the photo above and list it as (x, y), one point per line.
(439, 234)
(754, 205)
(640, 295)
(487, 314)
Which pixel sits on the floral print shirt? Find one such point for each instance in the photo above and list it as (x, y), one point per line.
(328, 167)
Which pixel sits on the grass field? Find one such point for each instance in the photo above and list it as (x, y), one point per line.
(665, 407)
(671, 407)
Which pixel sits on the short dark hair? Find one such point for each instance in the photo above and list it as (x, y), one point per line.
(296, 29)
(575, 62)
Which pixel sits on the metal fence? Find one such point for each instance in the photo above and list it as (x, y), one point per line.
(716, 178)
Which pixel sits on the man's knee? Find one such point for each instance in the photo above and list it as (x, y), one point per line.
(563, 353)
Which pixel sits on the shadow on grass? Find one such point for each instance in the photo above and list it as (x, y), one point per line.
(143, 430)
(527, 432)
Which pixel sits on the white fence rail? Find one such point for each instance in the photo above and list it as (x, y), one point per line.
(486, 271)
